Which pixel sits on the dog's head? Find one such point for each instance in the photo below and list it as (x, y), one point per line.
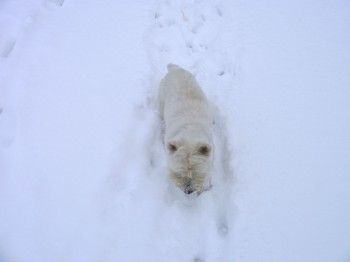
(189, 164)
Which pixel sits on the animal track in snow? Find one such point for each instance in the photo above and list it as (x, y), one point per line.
(197, 259)
(223, 229)
(183, 23)
(188, 33)
(57, 2)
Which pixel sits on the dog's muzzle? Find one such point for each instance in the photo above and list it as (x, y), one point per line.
(188, 190)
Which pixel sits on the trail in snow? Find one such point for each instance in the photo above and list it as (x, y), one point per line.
(189, 33)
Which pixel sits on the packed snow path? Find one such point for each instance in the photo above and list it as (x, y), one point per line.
(82, 164)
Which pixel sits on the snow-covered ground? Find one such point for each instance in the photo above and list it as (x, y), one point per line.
(82, 165)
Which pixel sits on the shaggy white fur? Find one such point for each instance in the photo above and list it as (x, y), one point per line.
(188, 129)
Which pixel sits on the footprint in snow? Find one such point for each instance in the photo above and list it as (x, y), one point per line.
(186, 22)
(57, 2)
(197, 259)
(223, 229)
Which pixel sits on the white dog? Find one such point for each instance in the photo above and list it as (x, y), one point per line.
(188, 129)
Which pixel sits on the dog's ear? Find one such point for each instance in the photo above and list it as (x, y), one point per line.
(204, 149)
(172, 147)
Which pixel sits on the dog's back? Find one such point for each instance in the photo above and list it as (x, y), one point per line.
(181, 91)
(173, 67)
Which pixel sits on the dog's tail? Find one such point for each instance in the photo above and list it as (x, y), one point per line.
(172, 67)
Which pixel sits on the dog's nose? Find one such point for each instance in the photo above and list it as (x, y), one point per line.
(188, 191)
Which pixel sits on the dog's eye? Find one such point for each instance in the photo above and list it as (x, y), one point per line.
(204, 150)
(172, 148)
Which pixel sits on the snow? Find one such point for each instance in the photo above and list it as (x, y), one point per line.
(82, 164)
